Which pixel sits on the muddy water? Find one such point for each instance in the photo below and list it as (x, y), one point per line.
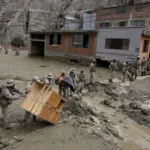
(138, 138)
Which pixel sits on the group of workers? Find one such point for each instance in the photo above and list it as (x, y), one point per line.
(73, 81)
(68, 83)
(130, 69)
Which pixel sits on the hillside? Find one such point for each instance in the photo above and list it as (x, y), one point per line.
(17, 15)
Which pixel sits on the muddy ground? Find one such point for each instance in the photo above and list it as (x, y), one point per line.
(114, 117)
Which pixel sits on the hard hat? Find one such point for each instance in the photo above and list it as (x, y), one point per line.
(10, 83)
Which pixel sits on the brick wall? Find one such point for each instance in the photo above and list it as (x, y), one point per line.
(67, 47)
(112, 16)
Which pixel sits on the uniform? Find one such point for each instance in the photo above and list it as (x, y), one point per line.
(7, 96)
(72, 75)
(143, 66)
(82, 80)
(113, 69)
(92, 71)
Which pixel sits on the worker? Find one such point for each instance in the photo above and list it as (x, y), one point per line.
(135, 68)
(143, 66)
(8, 93)
(113, 68)
(62, 88)
(73, 76)
(82, 80)
(50, 77)
(17, 53)
(125, 70)
(92, 71)
(28, 114)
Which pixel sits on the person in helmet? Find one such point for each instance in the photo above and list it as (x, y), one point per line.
(113, 68)
(92, 70)
(8, 93)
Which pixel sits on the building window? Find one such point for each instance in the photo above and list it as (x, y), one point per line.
(120, 44)
(139, 23)
(55, 39)
(123, 24)
(145, 46)
(138, 9)
(121, 10)
(80, 40)
(105, 25)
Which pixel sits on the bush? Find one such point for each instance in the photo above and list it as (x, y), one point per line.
(17, 41)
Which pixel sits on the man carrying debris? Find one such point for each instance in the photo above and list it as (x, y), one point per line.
(113, 68)
(28, 114)
(8, 93)
(92, 71)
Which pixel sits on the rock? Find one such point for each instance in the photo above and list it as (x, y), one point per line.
(107, 102)
(13, 126)
(85, 91)
(145, 111)
(95, 120)
(135, 105)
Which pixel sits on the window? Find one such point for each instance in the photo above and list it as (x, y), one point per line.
(123, 24)
(121, 10)
(55, 39)
(145, 46)
(121, 44)
(104, 25)
(138, 9)
(81, 40)
(139, 23)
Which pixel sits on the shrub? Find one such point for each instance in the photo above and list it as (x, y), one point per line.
(17, 41)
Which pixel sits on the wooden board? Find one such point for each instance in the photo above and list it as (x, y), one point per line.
(43, 102)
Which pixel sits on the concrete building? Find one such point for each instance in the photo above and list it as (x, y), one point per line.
(105, 34)
(129, 15)
(118, 43)
(72, 44)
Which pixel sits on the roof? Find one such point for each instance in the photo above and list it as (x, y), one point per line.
(65, 31)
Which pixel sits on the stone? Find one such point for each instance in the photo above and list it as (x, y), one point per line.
(107, 102)
(95, 120)
(13, 126)
(135, 105)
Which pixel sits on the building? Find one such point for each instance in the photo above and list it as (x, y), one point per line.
(130, 15)
(105, 34)
(118, 43)
(72, 44)
(145, 45)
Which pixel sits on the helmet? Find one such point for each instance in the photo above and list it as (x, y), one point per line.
(10, 83)
(73, 69)
(36, 79)
(50, 76)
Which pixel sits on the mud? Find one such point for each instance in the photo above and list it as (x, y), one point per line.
(109, 118)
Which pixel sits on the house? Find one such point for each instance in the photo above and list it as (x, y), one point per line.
(72, 44)
(106, 34)
(145, 45)
(129, 15)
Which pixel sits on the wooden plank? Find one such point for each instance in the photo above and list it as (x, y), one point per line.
(54, 99)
